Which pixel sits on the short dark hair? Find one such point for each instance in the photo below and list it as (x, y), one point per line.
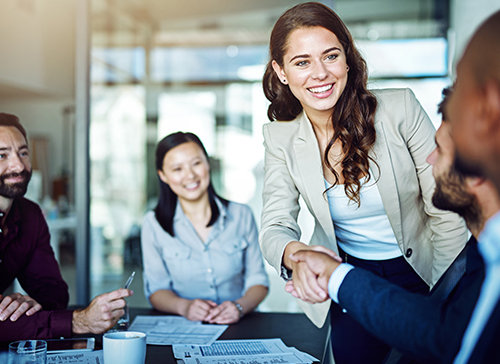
(12, 120)
(167, 202)
(442, 105)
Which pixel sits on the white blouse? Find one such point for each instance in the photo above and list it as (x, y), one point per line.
(365, 231)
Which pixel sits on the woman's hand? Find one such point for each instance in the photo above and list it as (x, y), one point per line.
(17, 304)
(197, 309)
(225, 313)
(304, 284)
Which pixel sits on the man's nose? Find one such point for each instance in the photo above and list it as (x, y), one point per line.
(15, 164)
(431, 158)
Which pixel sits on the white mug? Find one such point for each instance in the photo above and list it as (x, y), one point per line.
(124, 347)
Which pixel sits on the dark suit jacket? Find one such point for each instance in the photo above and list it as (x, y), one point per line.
(426, 328)
(487, 349)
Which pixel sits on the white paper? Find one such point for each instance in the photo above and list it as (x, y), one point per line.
(171, 330)
(80, 357)
(265, 351)
(231, 347)
(267, 359)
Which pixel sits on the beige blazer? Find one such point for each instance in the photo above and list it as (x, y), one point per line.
(429, 238)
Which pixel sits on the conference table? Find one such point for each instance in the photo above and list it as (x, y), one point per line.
(294, 329)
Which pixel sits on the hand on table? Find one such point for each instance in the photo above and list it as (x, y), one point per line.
(102, 313)
(225, 313)
(311, 271)
(198, 309)
(15, 305)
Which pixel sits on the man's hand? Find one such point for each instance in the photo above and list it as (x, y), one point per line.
(321, 264)
(225, 313)
(305, 281)
(15, 305)
(102, 313)
(198, 309)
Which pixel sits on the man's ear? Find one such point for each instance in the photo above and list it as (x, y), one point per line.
(491, 107)
(472, 182)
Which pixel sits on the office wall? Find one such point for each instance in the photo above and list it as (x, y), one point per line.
(37, 69)
(37, 45)
(465, 17)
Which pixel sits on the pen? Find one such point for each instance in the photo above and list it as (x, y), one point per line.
(129, 280)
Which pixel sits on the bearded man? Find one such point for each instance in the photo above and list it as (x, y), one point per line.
(26, 254)
(25, 251)
(428, 329)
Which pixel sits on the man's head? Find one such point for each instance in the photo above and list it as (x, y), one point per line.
(474, 107)
(15, 164)
(452, 192)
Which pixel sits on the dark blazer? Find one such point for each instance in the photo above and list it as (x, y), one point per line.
(487, 349)
(425, 328)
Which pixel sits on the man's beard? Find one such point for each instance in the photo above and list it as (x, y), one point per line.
(15, 189)
(451, 195)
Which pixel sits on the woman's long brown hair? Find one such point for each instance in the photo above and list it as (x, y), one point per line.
(353, 117)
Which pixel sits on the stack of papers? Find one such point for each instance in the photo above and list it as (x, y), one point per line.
(265, 351)
(171, 330)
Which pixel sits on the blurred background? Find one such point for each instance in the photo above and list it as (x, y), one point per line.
(98, 82)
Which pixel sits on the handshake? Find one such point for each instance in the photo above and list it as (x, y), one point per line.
(312, 267)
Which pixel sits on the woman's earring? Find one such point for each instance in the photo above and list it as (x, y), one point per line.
(284, 81)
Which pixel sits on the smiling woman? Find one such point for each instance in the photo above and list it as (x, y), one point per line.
(315, 69)
(201, 254)
(357, 158)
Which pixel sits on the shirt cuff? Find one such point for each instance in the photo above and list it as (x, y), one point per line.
(62, 323)
(286, 273)
(336, 280)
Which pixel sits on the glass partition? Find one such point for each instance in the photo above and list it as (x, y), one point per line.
(205, 79)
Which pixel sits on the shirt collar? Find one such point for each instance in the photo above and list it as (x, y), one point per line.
(489, 240)
(180, 216)
(13, 219)
(14, 214)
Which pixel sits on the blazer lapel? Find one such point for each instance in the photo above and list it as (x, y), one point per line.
(386, 180)
(309, 164)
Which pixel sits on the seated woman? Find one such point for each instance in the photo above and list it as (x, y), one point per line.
(200, 252)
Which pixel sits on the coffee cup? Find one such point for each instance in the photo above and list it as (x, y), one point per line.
(124, 347)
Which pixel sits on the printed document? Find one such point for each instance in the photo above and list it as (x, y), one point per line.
(172, 330)
(264, 351)
(81, 357)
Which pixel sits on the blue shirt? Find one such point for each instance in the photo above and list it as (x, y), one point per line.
(220, 269)
(489, 247)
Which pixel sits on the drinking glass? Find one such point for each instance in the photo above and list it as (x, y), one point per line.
(28, 352)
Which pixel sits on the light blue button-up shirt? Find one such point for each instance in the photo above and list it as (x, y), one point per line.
(220, 269)
(489, 247)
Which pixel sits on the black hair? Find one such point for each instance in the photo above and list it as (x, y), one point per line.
(167, 202)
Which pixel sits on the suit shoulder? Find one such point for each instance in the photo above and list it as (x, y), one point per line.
(394, 103)
(392, 95)
(280, 126)
(281, 132)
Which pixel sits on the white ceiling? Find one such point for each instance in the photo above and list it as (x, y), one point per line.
(174, 22)
(148, 23)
